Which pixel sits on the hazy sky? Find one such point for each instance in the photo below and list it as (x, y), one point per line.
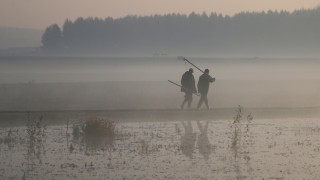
(41, 13)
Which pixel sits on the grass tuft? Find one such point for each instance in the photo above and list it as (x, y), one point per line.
(95, 133)
(98, 127)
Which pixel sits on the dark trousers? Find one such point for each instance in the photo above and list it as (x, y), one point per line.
(204, 99)
(187, 98)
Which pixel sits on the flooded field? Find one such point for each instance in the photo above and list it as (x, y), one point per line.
(238, 144)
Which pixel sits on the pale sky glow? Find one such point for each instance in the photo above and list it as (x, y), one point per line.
(41, 13)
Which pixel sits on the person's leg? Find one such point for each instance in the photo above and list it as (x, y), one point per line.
(205, 97)
(184, 101)
(189, 100)
(200, 102)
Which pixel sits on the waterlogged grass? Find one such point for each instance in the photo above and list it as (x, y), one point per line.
(98, 148)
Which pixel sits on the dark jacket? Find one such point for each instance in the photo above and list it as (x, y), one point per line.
(204, 82)
(188, 83)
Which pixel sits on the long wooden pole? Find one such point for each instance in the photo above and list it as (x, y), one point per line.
(185, 59)
(180, 86)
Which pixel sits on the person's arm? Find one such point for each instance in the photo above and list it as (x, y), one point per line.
(211, 79)
(194, 86)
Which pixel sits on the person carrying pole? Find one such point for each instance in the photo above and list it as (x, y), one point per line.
(188, 86)
(203, 87)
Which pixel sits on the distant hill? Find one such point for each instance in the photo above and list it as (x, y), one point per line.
(19, 37)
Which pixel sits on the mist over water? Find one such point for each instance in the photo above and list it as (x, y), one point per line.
(53, 70)
(43, 83)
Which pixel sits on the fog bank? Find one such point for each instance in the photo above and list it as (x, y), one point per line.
(142, 83)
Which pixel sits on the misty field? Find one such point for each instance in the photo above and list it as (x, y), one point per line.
(71, 83)
(221, 144)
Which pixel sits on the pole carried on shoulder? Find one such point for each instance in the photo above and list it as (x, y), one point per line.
(185, 59)
(180, 86)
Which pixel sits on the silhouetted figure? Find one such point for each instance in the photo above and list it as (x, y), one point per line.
(203, 87)
(203, 140)
(188, 86)
(188, 140)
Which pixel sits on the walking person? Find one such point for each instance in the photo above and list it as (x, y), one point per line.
(188, 86)
(203, 88)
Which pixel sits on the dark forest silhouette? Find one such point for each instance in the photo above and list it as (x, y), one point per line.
(246, 33)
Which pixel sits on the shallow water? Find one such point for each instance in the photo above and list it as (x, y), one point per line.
(273, 148)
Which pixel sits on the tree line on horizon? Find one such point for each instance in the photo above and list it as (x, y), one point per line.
(251, 33)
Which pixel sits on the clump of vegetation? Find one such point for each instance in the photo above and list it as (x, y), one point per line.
(240, 138)
(36, 128)
(36, 133)
(76, 132)
(95, 133)
(238, 116)
(98, 127)
(10, 139)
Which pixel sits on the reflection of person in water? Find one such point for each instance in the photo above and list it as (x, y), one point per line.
(188, 140)
(203, 140)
